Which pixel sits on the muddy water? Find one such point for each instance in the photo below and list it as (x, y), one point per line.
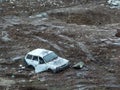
(94, 45)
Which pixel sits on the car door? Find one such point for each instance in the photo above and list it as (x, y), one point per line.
(41, 67)
(28, 59)
(35, 61)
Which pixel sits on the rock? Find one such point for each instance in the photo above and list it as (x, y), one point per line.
(20, 71)
(31, 80)
(5, 36)
(22, 81)
(17, 58)
(13, 76)
(41, 79)
(41, 15)
(111, 70)
(115, 44)
(21, 66)
(79, 65)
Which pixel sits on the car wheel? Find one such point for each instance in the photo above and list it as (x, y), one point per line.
(50, 70)
(30, 67)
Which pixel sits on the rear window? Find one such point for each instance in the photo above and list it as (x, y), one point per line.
(29, 57)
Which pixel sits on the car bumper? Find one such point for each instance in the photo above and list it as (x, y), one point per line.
(63, 67)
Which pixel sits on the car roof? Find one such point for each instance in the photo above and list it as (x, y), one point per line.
(39, 52)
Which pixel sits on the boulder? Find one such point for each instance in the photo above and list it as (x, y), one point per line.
(79, 65)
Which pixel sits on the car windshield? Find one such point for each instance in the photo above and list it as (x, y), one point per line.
(50, 57)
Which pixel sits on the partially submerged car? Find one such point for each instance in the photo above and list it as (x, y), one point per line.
(114, 2)
(43, 60)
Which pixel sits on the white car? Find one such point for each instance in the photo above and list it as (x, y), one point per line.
(114, 2)
(43, 60)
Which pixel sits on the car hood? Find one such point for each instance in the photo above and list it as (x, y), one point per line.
(58, 62)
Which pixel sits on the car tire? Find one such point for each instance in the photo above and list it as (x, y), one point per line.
(31, 67)
(53, 71)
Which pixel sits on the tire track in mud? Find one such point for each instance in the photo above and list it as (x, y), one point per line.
(81, 46)
(50, 43)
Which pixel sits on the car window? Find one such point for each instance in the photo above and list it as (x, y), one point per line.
(49, 57)
(29, 57)
(35, 58)
(41, 61)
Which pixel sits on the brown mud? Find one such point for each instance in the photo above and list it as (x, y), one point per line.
(76, 30)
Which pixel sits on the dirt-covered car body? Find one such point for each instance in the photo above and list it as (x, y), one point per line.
(114, 2)
(43, 60)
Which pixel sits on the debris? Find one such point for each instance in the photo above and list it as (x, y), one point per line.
(118, 33)
(41, 15)
(31, 73)
(41, 79)
(17, 58)
(111, 70)
(22, 81)
(21, 66)
(5, 36)
(103, 40)
(115, 44)
(13, 76)
(31, 80)
(79, 65)
(20, 71)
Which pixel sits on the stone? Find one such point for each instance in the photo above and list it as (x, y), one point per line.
(79, 65)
